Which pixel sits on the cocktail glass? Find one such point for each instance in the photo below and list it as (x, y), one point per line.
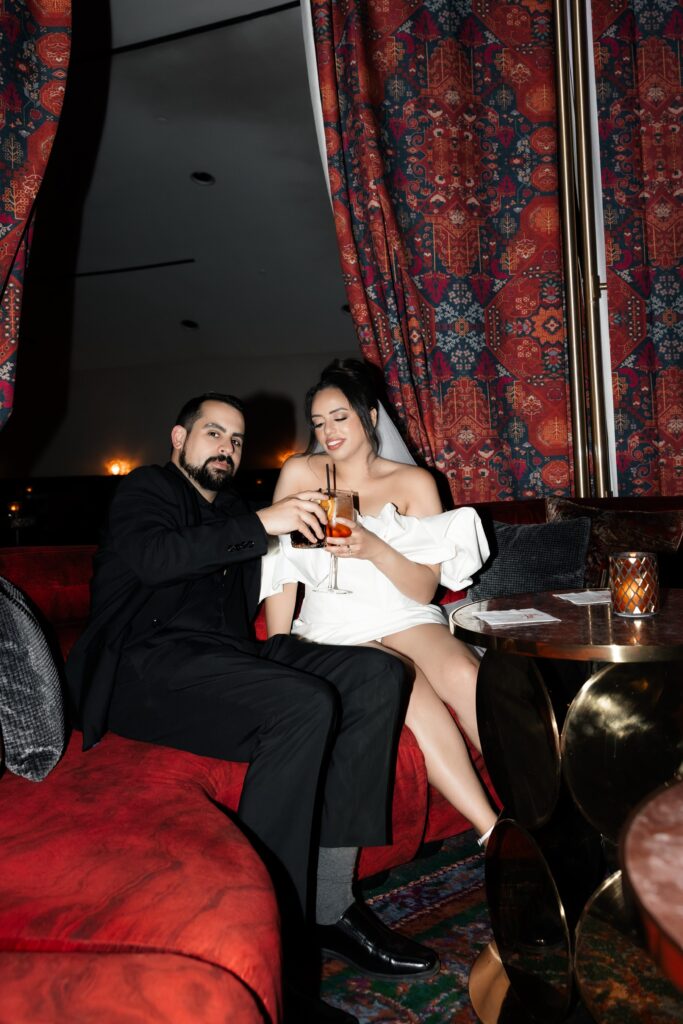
(338, 504)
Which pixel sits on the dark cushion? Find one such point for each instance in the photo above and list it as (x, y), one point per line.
(31, 714)
(530, 558)
(615, 530)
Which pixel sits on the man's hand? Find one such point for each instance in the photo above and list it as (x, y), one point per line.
(296, 512)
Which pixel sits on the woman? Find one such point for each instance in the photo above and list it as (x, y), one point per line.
(398, 551)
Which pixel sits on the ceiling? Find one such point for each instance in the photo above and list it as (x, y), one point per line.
(134, 21)
(148, 286)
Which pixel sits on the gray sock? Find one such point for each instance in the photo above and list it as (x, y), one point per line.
(335, 878)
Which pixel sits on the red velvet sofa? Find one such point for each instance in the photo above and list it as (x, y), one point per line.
(129, 849)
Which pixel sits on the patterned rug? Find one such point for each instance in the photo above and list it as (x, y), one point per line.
(438, 900)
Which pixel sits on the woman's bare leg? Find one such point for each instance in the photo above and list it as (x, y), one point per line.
(447, 760)
(449, 768)
(450, 667)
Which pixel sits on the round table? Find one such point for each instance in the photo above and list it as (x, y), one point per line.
(585, 632)
(612, 726)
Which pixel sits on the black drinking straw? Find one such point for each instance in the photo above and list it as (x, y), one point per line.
(327, 471)
(334, 476)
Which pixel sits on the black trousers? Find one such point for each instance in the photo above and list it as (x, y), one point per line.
(318, 725)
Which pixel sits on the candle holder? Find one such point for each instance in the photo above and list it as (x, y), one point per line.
(634, 583)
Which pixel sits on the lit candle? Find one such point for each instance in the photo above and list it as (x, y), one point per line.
(634, 583)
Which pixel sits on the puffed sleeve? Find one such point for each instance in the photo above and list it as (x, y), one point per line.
(454, 540)
(284, 564)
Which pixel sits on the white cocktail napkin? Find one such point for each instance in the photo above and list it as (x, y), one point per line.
(587, 597)
(514, 617)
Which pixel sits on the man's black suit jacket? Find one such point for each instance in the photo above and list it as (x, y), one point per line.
(157, 541)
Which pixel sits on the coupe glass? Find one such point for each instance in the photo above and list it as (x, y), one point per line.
(337, 504)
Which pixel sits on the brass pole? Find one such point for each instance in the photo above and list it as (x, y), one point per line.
(570, 255)
(582, 52)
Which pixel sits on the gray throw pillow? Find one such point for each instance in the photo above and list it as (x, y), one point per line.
(533, 557)
(31, 710)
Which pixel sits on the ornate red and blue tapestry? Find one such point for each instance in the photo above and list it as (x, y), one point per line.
(34, 56)
(638, 55)
(440, 128)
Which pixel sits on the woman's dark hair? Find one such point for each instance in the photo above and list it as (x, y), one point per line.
(353, 378)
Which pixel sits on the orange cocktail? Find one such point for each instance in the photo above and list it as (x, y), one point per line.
(339, 504)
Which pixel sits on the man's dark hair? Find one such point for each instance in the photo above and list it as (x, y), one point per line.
(189, 414)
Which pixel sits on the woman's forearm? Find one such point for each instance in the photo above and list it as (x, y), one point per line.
(280, 610)
(416, 581)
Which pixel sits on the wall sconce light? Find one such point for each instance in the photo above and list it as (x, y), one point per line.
(283, 456)
(117, 467)
(19, 518)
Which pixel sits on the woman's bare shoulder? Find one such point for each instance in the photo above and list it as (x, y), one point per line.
(299, 472)
(415, 476)
(414, 490)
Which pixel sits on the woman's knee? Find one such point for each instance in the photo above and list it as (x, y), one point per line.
(459, 678)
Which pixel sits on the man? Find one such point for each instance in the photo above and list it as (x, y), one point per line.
(167, 658)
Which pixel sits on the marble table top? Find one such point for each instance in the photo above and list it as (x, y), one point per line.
(584, 632)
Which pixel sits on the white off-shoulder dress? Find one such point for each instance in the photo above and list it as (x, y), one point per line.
(375, 608)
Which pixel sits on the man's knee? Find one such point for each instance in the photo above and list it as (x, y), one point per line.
(323, 702)
(388, 678)
(318, 702)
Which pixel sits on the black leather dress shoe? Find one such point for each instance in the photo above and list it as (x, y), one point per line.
(362, 940)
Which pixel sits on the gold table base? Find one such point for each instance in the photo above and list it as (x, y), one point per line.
(619, 737)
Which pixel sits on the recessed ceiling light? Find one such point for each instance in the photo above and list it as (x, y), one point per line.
(202, 178)
(191, 324)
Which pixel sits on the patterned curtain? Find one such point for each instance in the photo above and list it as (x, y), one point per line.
(34, 56)
(638, 55)
(440, 130)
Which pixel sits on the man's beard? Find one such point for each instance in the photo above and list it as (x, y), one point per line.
(203, 476)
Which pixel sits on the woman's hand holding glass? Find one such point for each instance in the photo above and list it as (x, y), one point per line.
(360, 543)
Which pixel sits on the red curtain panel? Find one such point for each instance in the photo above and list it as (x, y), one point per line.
(441, 141)
(638, 53)
(34, 57)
